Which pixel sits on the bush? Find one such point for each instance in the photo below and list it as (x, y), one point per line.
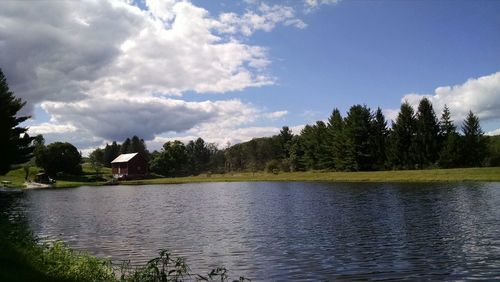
(273, 166)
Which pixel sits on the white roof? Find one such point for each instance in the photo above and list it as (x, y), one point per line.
(123, 158)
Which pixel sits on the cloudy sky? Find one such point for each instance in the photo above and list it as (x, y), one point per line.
(228, 71)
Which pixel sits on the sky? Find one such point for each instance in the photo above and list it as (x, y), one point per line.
(229, 71)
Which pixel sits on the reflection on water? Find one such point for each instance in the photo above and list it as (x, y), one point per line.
(280, 231)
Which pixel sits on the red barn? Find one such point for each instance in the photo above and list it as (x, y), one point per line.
(129, 166)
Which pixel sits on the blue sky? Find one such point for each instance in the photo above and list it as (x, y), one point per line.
(297, 60)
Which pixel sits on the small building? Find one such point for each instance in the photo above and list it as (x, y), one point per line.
(129, 166)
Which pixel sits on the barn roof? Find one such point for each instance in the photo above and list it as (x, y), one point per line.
(123, 158)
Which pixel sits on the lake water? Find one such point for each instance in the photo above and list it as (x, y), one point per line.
(284, 231)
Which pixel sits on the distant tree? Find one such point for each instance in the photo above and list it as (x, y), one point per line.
(427, 134)
(296, 155)
(60, 157)
(402, 138)
(449, 155)
(126, 146)
(198, 156)
(285, 138)
(357, 133)
(378, 140)
(111, 152)
(15, 144)
(137, 145)
(313, 140)
(172, 160)
(96, 159)
(334, 140)
(475, 147)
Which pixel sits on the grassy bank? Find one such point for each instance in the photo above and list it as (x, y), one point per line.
(433, 175)
(24, 258)
(487, 174)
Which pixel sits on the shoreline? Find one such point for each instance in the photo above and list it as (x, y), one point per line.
(485, 174)
(489, 174)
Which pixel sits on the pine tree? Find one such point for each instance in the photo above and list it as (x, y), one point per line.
(427, 137)
(449, 155)
(475, 146)
(357, 136)
(126, 146)
(15, 144)
(402, 138)
(332, 145)
(378, 140)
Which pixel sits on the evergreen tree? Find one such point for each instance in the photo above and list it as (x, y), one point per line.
(137, 145)
(449, 155)
(333, 143)
(427, 137)
(357, 133)
(285, 138)
(313, 139)
(378, 140)
(475, 146)
(402, 150)
(111, 152)
(15, 144)
(126, 146)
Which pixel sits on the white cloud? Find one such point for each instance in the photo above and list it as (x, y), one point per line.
(47, 127)
(267, 19)
(493, 132)
(311, 4)
(480, 95)
(276, 115)
(109, 69)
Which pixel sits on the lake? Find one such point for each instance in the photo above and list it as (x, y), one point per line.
(285, 231)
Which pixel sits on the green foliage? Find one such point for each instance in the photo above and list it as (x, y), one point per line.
(273, 166)
(427, 135)
(402, 139)
(357, 133)
(15, 144)
(378, 140)
(96, 159)
(60, 157)
(475, 147)
(494, 150)
(313, 141)
(172, 160)
(449, 156)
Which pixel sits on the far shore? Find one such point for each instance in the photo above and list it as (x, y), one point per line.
(484, 174)
(487, 174)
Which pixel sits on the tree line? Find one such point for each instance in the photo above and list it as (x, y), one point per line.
(360, 141)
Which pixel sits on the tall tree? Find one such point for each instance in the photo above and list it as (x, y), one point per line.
(137, 145)
(475, 146)
(313, 139)
(110, 153)
(357, 133)
(402, 151)
(60, 157)
(378, 140)
(285, 138)
(126, 146)
(15, 144)
(172, 160)
(427, 134)
(334, 140)
(449, 155)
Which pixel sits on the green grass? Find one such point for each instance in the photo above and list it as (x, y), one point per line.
(431, 175)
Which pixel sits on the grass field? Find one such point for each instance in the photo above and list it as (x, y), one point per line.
(16, 177)
(434, 175)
